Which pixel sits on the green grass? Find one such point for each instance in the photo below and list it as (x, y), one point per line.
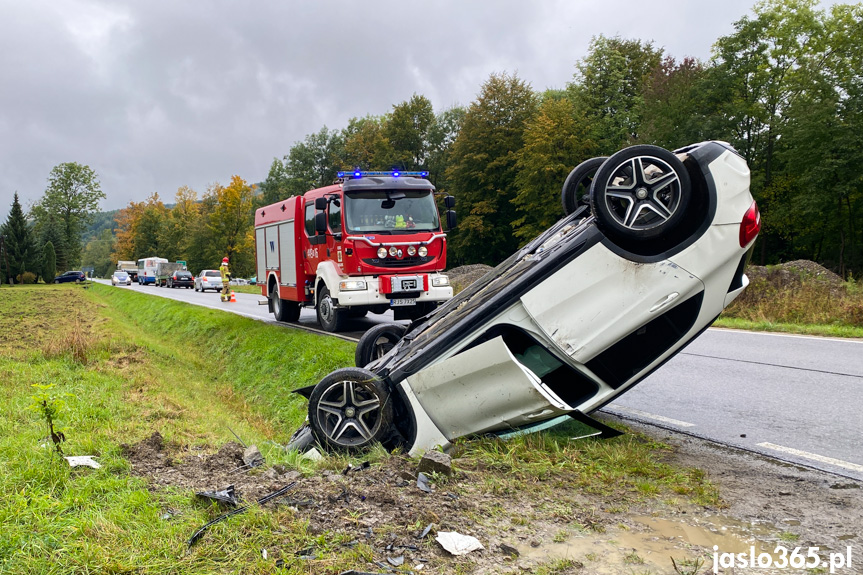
(129, 364)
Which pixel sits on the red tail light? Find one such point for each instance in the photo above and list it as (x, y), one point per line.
(750, 226)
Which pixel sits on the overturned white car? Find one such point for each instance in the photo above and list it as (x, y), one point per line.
(575, 318)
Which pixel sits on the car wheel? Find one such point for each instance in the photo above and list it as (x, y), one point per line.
(576, 188)
(640, 193)
(56, 281)
(284, 310)
(330, 318)
(350, 409)
(377, 342)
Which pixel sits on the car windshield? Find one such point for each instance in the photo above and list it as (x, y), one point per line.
(374, 212)
(121, 275)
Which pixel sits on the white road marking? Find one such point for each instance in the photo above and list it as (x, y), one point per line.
(813, 456)
(639, 413)
(792, 335)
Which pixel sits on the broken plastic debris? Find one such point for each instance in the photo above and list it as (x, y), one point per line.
(313, 454)
(396, 561)
(426, 530)
(458, 544)
(423, 482)
(82, 460)
(226, 495)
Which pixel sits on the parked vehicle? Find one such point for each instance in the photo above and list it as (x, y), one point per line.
(369, 243)
(130, 268)
(147, 270)
(181, 278)
(208, 279)
(74, 276)
(121, 278)
(238, 282)
(164, 271)
(572, 320)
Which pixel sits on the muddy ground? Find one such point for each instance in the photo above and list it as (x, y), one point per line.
(768, 504)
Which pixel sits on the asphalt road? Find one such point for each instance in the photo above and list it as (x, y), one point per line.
(796, 398)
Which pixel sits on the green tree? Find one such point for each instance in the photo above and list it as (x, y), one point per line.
(442, 135)
(310, 164)
(18, 240)
(51, 232)
(232, 226)
(555, 141)
(483, 169)
(97, 254)
(366, 145)
(49, 262)
(72, 196)
(609, 85)
(407, 130)
(277, 185)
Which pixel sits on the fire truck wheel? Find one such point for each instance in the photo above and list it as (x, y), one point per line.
(285, 310)
(330, 318)
(377, 342)
(350, 409)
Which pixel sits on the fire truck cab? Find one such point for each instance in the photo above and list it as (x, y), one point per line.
(370, 242)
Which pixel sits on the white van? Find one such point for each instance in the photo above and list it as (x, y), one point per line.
(147, 270)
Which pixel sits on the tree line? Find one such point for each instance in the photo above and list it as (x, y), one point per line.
(785, 88)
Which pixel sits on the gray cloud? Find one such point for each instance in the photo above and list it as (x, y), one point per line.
(159, 94)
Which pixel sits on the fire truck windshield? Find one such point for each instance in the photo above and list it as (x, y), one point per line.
(412, 211)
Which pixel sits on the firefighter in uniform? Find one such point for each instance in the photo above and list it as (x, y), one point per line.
(226, 277)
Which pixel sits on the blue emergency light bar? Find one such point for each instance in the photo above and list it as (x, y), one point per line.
(394, 173)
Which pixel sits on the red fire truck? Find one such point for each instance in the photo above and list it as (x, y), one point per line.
(370, 242)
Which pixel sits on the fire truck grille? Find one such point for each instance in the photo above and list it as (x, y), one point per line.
(394, 263)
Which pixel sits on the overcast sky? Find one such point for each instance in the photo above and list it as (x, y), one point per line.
(154, 95)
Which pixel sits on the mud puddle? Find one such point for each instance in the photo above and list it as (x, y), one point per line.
(650, 543)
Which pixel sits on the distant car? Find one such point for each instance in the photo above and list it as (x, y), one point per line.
(253, 280)
(76, 277)
(239, 282)
(570, 321)
(208, 279)
(121, 278)
(181, 278)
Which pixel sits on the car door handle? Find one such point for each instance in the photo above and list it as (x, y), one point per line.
(664, 301)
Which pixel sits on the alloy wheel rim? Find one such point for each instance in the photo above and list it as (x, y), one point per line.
(349, 413)
(643, 192)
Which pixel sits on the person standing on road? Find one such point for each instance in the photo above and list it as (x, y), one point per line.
(226, 277)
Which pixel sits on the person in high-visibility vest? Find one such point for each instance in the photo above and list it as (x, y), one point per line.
(226, 277)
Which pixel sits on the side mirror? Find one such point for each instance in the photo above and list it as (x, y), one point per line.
(450, 219)
(320, 204)
(320, 220)
(449, 202)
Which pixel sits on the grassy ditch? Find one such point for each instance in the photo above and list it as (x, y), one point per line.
(118, 369)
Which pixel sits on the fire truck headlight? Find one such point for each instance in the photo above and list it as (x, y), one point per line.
(423, 251)
(412, 251)
(382, 253)
(352, 285)
(440, 281)
(393, 251)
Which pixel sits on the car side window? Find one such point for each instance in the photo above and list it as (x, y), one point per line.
(310, 219)
(334, 215)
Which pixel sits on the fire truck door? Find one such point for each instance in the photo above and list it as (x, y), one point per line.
(314, 246)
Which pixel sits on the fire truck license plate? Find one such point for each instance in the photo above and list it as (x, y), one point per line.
(403, 301)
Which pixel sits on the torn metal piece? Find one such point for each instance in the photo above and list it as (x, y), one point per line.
(82, 461)
(458, 544)
(243, 443)
(423, 482)
(226, 495)
(200, 532)
(606, 432)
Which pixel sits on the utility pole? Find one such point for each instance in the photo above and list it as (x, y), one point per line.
(6, 258)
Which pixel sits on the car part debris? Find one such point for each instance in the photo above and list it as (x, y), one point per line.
(82, 461)
(360, 467)
(226, 495)
(243, 443)
(396, 561)
(252, 456)
(266, 498)
(458, 544)
(423, 482)
(426, 531)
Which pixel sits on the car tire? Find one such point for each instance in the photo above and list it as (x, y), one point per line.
(284, 310)
(576, 188)
(56, 281)
(350, 409)
(331, 318)
(377, 342)
(640, 193)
